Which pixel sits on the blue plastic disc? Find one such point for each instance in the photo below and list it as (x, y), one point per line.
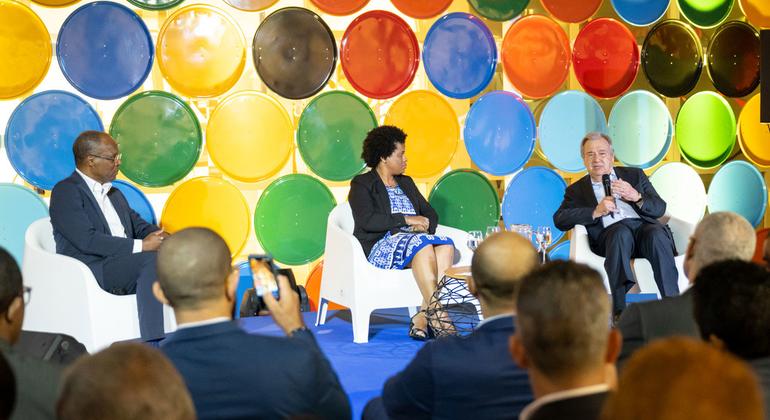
(459, 55)
(532, 197)
(739, 187)
(559, 252)
(500, 133)
(20, 208)
(565, 120)
(40, 134)
(104, 50)
(640, 12)
(136, 200)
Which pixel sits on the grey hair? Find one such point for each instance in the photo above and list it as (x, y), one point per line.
(595, 135)
(722, 236)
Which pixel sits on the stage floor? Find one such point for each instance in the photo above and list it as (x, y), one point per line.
(362, 368)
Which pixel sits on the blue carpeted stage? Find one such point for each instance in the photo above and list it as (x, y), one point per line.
(362, 368)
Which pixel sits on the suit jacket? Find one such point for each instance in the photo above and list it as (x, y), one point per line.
(371, 208)
(235, 375)
(643, 322)
(579, 203)
(37, 385)
(461, 377)
(762, 368)
(80, 229)
(586, 407)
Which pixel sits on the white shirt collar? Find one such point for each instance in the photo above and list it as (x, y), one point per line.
(209, 321)
(561, 395)
(93, 184)
(492, 318)
(613, 177)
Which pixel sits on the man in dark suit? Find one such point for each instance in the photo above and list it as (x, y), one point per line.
(472, 376)
(620, 226)
(232, 374)
(719, 236)
(732, 310)
(563, 339)
(93, 222)
(37, 382)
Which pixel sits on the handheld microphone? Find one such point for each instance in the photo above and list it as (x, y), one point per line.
(607, 189)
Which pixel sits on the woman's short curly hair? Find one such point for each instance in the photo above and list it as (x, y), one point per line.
(380, 142)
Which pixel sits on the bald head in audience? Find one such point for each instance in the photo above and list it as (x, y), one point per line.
(124, 382)
(498, 266)
(719, 236)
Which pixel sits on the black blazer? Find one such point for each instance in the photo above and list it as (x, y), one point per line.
(579, 203)
(371, 208)
(80, 229)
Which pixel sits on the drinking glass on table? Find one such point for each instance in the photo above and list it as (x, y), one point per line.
(543, 238)
(523, 230)
(474, 239)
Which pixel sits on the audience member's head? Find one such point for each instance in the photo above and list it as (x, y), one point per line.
(719, 236)
(195, 272)
(681, 378)
(7, 389)
(124, 382)
(11, 298)
(732, 307)
(563, 335)
(498, 266)
(766, 252)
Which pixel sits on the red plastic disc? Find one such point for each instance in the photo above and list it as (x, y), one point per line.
(379, 54)
(340, 7)
(605, 57)
(572, 11)
(421, 9)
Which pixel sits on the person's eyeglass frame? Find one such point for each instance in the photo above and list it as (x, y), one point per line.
(26, 294)
(114, 159)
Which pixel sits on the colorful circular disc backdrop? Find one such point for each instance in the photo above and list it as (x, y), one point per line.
(559, 252)
(212, 203)
(196, 62)
(532, 197)
(340, 7)
(251, 5)
(640, 12)
(104, 61)
(536, 56)
(249, 149)
(421, 9)
(753, 136)
(40, 134)
(25, 208)
(605, 58)
(459, 55)
(500, 10)
(733, 59)
(331, 133)
(757, 12)
(136, 200)
(159, 136)
(290, 218)
(56, 3)
(379, 54)
(705, 130)
(294, 52)
(565, 120)
(682, 189)
(672, 58)
(464, 199)
(641, 129)
(571, 11)
(155, 4)
(25, 49)
(500, 133)
(432, 131)
(739, 187)
(705, 13)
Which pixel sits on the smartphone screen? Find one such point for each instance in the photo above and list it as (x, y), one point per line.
(263, 274)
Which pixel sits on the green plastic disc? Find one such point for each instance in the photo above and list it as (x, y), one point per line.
(155, 4)
(331, 133)
(466, 200)
(705, 130)
(159, 137)
(705, 13)
(499, 10)
(290, 218)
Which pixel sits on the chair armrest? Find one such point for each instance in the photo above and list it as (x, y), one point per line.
(682, 230)
(460, 238)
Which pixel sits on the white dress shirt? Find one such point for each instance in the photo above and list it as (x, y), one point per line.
(561, 395)
(108, 210)
(624, 210)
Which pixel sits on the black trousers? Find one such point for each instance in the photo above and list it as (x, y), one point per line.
(135, 274)
(635, 238)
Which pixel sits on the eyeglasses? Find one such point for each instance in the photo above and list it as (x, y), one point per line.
(26, 294)
(114, 159)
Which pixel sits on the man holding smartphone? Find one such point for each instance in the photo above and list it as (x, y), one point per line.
(230, 373)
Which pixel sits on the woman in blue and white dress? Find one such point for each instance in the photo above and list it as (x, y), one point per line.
(394, 223)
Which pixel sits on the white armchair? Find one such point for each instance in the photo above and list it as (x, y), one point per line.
(350, 280)
(581, 252)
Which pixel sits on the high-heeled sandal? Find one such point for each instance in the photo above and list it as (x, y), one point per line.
(419, 334)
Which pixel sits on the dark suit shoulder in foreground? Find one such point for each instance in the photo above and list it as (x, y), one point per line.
(37, 385)
(586, 407)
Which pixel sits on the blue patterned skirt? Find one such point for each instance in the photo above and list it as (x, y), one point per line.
(396, 251)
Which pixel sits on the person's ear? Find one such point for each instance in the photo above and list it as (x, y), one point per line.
(472, 288)
(518, 354)
(157, 291)
(232, 283)
(614, 344)
(15, 309)
(717, 342)
(689, 255)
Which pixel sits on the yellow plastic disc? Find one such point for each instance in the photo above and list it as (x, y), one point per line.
(25, 49)
(249, 136)
(201, 51)
(56, 3)
(753, 136)
(431, 128)
(209, 202)
(757, 12)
